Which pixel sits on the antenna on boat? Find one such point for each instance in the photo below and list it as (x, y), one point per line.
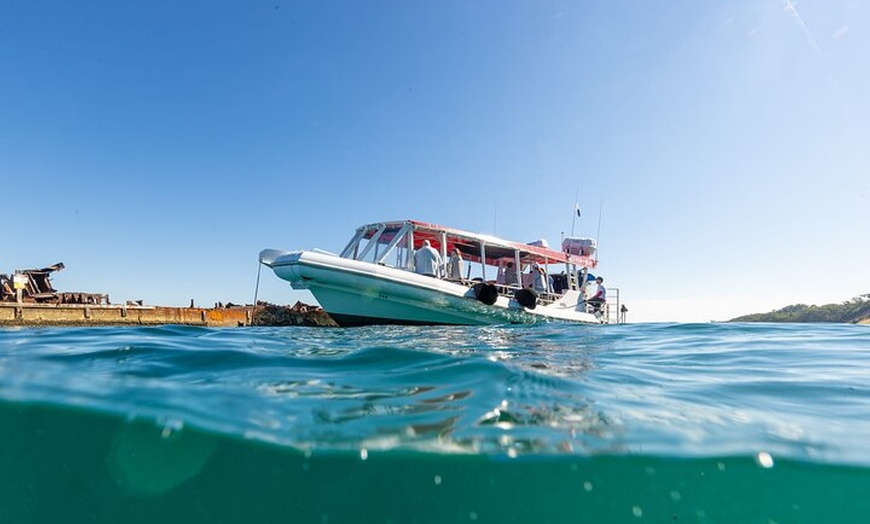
(576, 212)
(598, 233)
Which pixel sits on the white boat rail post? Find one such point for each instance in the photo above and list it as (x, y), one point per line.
(483, 260)
(443, 268)
(396, 238)
(400, 256)
(614, 291)
(581, 277)
(409, 264)
(547, 289)
(372, 242)
(611, 293)
(572, 275)
(518, 269)
(351, 246)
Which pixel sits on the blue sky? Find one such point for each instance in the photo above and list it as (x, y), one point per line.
(156, 147)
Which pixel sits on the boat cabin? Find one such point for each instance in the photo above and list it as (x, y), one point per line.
(508, 265)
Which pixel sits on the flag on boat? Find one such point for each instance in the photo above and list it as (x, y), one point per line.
(577, 209)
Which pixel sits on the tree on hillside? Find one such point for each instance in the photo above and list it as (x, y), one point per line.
(850, 311)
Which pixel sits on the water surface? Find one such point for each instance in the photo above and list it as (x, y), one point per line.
(546, 423)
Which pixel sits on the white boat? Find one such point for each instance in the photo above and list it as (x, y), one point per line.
(373, 281)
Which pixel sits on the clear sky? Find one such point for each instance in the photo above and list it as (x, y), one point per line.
(156, 147)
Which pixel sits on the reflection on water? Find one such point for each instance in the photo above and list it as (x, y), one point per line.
(146, 459)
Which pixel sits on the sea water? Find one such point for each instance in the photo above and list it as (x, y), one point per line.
(636, 423)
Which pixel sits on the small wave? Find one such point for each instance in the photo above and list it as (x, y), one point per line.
(678, 390)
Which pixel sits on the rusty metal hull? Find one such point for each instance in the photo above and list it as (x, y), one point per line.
(12, 314)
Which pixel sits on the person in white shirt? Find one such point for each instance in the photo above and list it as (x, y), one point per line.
(539, 278)
(600, 296)
(427, 261)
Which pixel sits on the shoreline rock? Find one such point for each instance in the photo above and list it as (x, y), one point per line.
(299, 314)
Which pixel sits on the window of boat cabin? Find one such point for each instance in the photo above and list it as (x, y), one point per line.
(385, 245)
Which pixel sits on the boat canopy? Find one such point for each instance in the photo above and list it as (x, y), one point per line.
(473, 246)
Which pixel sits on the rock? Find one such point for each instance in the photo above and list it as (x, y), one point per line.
(300, 314)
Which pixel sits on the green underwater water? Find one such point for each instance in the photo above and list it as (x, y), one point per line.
(67, 465)
(655, 423)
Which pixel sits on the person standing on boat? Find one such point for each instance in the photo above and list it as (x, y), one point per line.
(539, 278)
(510, 275)
(427, 261)
(600, 296)
(454, 266)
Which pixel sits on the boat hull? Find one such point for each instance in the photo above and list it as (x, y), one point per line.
(356, 293)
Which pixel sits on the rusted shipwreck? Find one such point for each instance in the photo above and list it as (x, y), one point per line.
(28, 298)
(35, 288)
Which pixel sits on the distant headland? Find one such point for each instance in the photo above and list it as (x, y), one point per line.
(853, 311)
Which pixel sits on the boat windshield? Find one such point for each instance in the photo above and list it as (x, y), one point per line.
(385, 244)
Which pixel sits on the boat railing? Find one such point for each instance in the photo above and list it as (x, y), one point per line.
(611, 312)
(614, 311)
